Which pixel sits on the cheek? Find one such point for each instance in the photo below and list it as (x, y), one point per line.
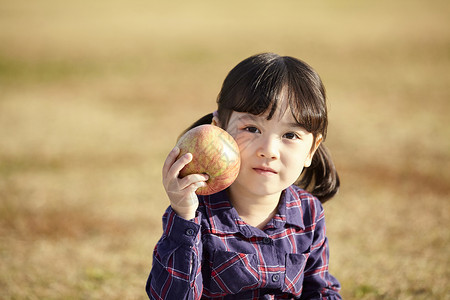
(294, 164)
(295, 159)
(244, 141)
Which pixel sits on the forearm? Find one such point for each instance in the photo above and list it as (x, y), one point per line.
(176, 265)
(318, 282)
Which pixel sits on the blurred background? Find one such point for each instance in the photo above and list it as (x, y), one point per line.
(94, 93)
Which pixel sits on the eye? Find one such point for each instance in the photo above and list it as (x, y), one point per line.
(252, 129)
(291, 136)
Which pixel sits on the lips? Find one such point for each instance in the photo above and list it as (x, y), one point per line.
(265, 170)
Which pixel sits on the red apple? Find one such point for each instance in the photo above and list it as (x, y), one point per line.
(215, 153)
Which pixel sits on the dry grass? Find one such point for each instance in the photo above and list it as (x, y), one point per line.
(93, 95)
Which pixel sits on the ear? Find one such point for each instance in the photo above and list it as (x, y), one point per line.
(316, 145)
(215, 121)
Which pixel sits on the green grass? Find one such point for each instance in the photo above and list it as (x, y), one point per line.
(94, 94)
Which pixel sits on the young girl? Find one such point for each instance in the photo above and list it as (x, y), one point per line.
(264, 236)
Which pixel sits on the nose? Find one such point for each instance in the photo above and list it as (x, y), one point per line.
(269, 148)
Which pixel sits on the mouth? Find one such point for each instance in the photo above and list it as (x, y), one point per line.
(265, 171)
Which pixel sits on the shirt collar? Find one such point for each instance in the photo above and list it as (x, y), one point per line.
(223, 218)
(290, 207)
(221, 215)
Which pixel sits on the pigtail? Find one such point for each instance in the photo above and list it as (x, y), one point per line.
(321, 178)
(202, 121)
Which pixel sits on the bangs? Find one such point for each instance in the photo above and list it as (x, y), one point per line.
(261, 84)
(259, 91)
(307, 101)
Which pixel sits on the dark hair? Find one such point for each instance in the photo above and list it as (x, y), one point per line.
(255, 86)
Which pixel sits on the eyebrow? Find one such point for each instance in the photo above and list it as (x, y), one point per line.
(248, 116)
(252, 117)
(297, 125)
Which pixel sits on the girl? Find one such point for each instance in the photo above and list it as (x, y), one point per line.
(264, 236)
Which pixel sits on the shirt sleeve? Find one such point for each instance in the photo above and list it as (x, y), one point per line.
(176, 268)
(318, 282)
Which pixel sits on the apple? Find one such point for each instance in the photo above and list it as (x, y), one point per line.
(215, 153)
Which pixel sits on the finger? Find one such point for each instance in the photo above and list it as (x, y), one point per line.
(179, 164)
(194, 186)
(170, 159)
(189, 180)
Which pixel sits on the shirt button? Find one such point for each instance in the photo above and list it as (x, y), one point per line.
(189, 232)
(275, 278)
(267, 240)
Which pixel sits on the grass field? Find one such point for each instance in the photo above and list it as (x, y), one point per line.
(94, 93)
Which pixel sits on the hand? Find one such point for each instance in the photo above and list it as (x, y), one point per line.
(181, 191)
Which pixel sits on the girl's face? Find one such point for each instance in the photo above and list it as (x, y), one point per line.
(273, 152)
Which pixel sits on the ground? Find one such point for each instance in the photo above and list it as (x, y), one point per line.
(94, 94)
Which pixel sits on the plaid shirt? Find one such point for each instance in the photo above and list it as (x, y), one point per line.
(218, 256)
